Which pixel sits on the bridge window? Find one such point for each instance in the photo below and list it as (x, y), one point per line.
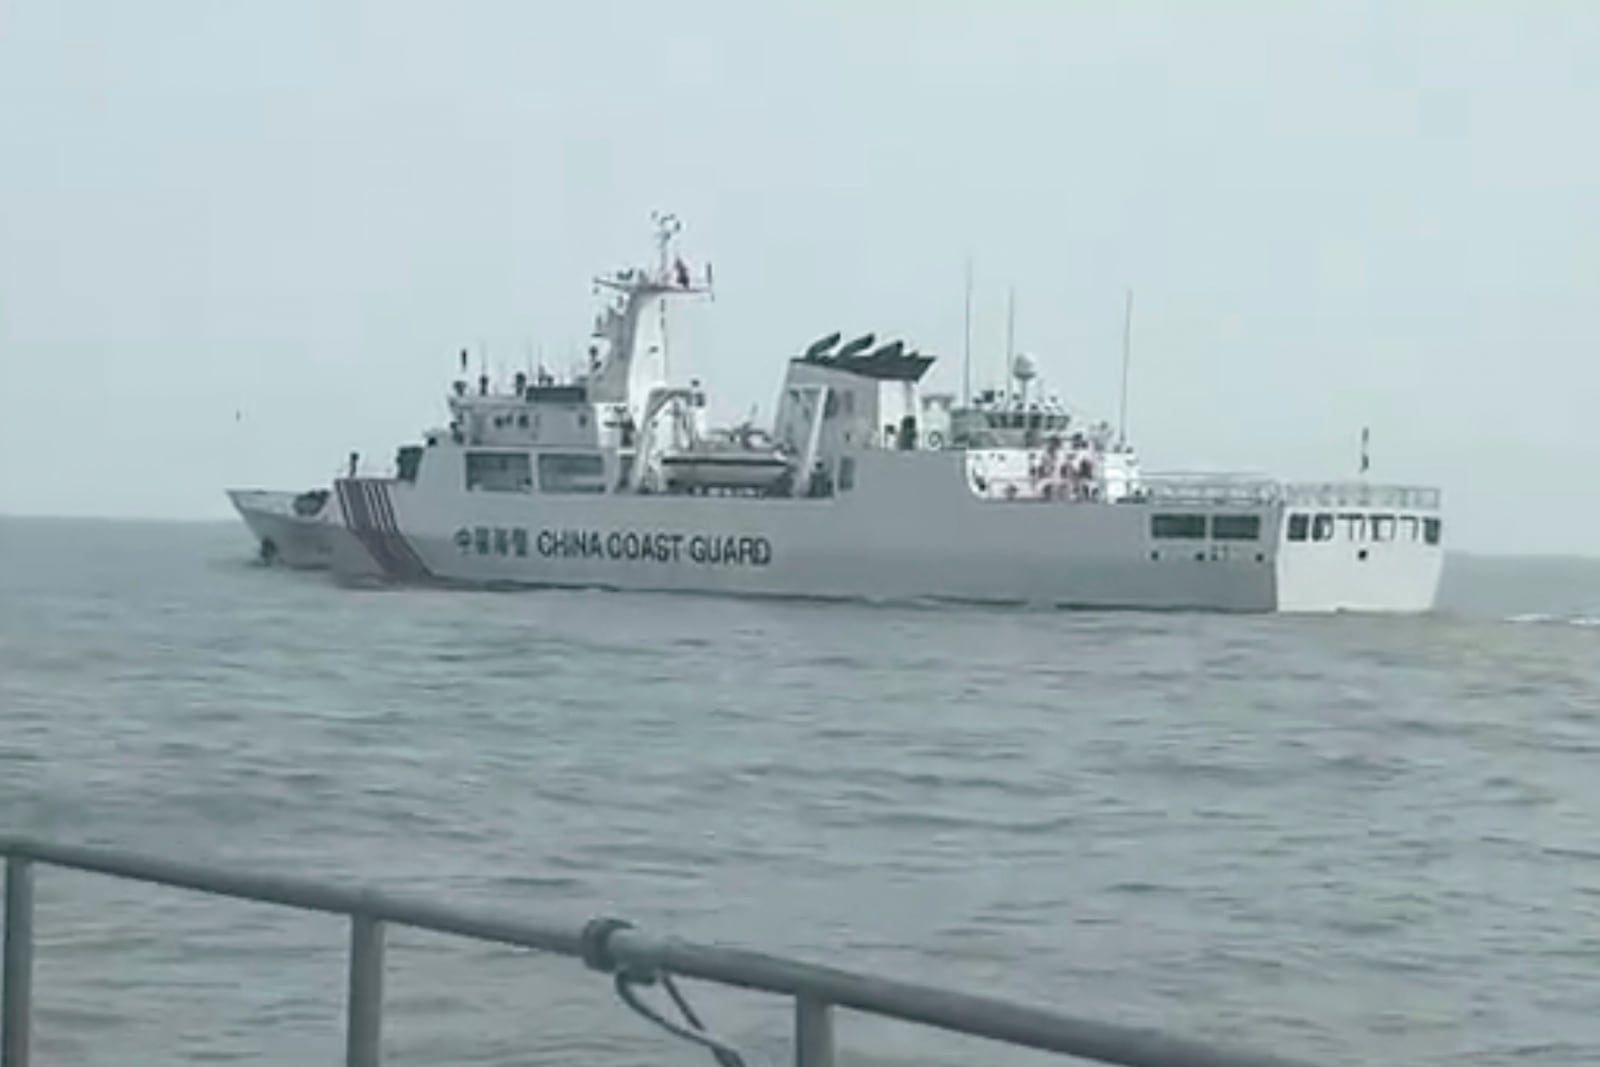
(1181, 527)
(1236, 527)
(1355, 526)
(499, 472)
(1299, 527)
(406, 462)
(1430, 531)
(572, 472)
(1322, 528)
(1383, 527)
(1409, 527)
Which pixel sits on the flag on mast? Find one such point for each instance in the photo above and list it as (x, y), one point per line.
(1366, 458)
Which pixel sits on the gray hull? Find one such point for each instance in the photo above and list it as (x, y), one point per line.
(918, 535)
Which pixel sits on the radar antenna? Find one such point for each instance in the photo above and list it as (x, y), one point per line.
(668, 226)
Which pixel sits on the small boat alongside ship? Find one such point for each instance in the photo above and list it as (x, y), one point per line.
(864, 487)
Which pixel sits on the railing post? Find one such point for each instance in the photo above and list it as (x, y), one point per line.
(15, 1000)
(364, 1025)
(813, 1033)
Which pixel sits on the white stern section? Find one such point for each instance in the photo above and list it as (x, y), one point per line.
(1359, 547)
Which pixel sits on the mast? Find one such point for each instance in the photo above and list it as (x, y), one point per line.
(966, 340)
(1127, 348)
(667, 227)
(1011, 334)
(666, 349)
(632, 330)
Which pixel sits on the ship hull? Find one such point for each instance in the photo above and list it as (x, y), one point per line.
(283, 536)
(926, 546)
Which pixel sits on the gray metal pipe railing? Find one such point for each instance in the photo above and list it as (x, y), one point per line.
(605, 945)
(16, 970)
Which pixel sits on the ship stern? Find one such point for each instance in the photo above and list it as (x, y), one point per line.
(1360, 548)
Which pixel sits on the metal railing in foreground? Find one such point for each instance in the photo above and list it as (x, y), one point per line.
(633, 960)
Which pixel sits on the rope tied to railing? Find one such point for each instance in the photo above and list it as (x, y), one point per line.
(627, 980)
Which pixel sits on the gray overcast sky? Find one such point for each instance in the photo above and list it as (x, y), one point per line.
(298, 210)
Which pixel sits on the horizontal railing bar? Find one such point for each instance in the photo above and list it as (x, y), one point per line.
(303, 894)
(943, 1009)
(631, 950)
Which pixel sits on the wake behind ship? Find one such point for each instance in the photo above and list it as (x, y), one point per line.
(864, 487)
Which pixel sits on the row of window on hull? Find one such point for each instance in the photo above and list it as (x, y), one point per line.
(1188, 526)
(1323, 526)
(1361, 528)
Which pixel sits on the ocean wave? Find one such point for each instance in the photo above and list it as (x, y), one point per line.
(1540, 618)
(1330, 835)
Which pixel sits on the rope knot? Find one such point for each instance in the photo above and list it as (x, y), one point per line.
(595, 941)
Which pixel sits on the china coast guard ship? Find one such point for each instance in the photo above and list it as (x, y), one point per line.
(864, 488)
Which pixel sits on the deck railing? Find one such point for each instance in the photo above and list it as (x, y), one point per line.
(1205, 488)
(631, 958)
(1362, 495)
